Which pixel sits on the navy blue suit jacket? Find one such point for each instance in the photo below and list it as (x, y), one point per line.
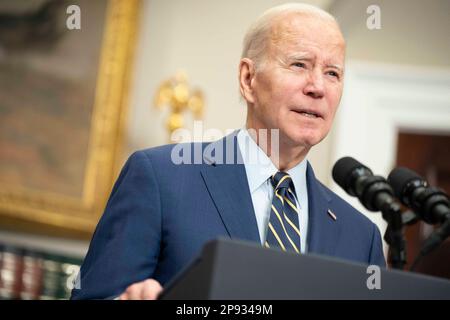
(159, 216)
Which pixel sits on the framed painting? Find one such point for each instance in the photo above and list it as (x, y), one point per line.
(63, 94)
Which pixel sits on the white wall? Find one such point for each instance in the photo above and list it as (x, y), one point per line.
(413, 32)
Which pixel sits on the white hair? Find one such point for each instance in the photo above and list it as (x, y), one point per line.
(255, 40)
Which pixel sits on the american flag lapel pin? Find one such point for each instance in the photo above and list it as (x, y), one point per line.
(332, 215)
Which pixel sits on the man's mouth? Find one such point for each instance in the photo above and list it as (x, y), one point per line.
(308, 113)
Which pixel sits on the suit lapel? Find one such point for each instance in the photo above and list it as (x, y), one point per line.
(228, 187)
(323, 231)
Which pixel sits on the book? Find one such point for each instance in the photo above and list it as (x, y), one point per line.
(28, 274)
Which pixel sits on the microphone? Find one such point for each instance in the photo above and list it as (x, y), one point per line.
(376, 195)
(430, 204)
(357, 180)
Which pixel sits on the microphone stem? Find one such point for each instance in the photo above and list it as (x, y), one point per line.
(398, 248)
(391, 212)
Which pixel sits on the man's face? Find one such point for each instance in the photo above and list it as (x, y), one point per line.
(298, 87)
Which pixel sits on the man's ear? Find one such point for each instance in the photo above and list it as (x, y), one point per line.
(246, 77)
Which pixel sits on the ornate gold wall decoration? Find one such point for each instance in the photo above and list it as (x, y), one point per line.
(179, 97)
(75, 214)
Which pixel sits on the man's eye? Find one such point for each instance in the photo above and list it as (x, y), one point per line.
(299, 64)
(333, 74)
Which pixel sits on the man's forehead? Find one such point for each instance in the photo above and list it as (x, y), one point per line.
(307, 30)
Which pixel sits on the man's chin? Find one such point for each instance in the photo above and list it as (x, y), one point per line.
(305, 140)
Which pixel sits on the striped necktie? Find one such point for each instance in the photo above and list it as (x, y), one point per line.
(283, 231)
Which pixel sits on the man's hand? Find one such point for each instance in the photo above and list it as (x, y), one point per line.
(146, 290)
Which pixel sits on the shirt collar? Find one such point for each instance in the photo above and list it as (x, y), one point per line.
(259, 167)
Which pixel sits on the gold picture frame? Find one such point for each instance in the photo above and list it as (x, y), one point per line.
(52, 213)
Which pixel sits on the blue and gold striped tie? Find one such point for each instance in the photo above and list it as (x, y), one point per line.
(283, 231)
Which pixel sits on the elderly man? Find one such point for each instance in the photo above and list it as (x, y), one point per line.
(160, 214)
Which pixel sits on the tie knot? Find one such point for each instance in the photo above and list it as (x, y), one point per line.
(281, 180)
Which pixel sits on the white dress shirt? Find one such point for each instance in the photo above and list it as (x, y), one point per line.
(259, 169)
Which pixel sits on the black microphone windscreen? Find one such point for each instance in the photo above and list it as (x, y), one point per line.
(399, 179)
(343, 169)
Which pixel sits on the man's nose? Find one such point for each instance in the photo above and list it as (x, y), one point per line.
(314, 86)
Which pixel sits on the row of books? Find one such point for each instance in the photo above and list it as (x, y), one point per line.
(27, 274)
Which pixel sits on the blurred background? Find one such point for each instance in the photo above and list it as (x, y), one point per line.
(83, 84)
